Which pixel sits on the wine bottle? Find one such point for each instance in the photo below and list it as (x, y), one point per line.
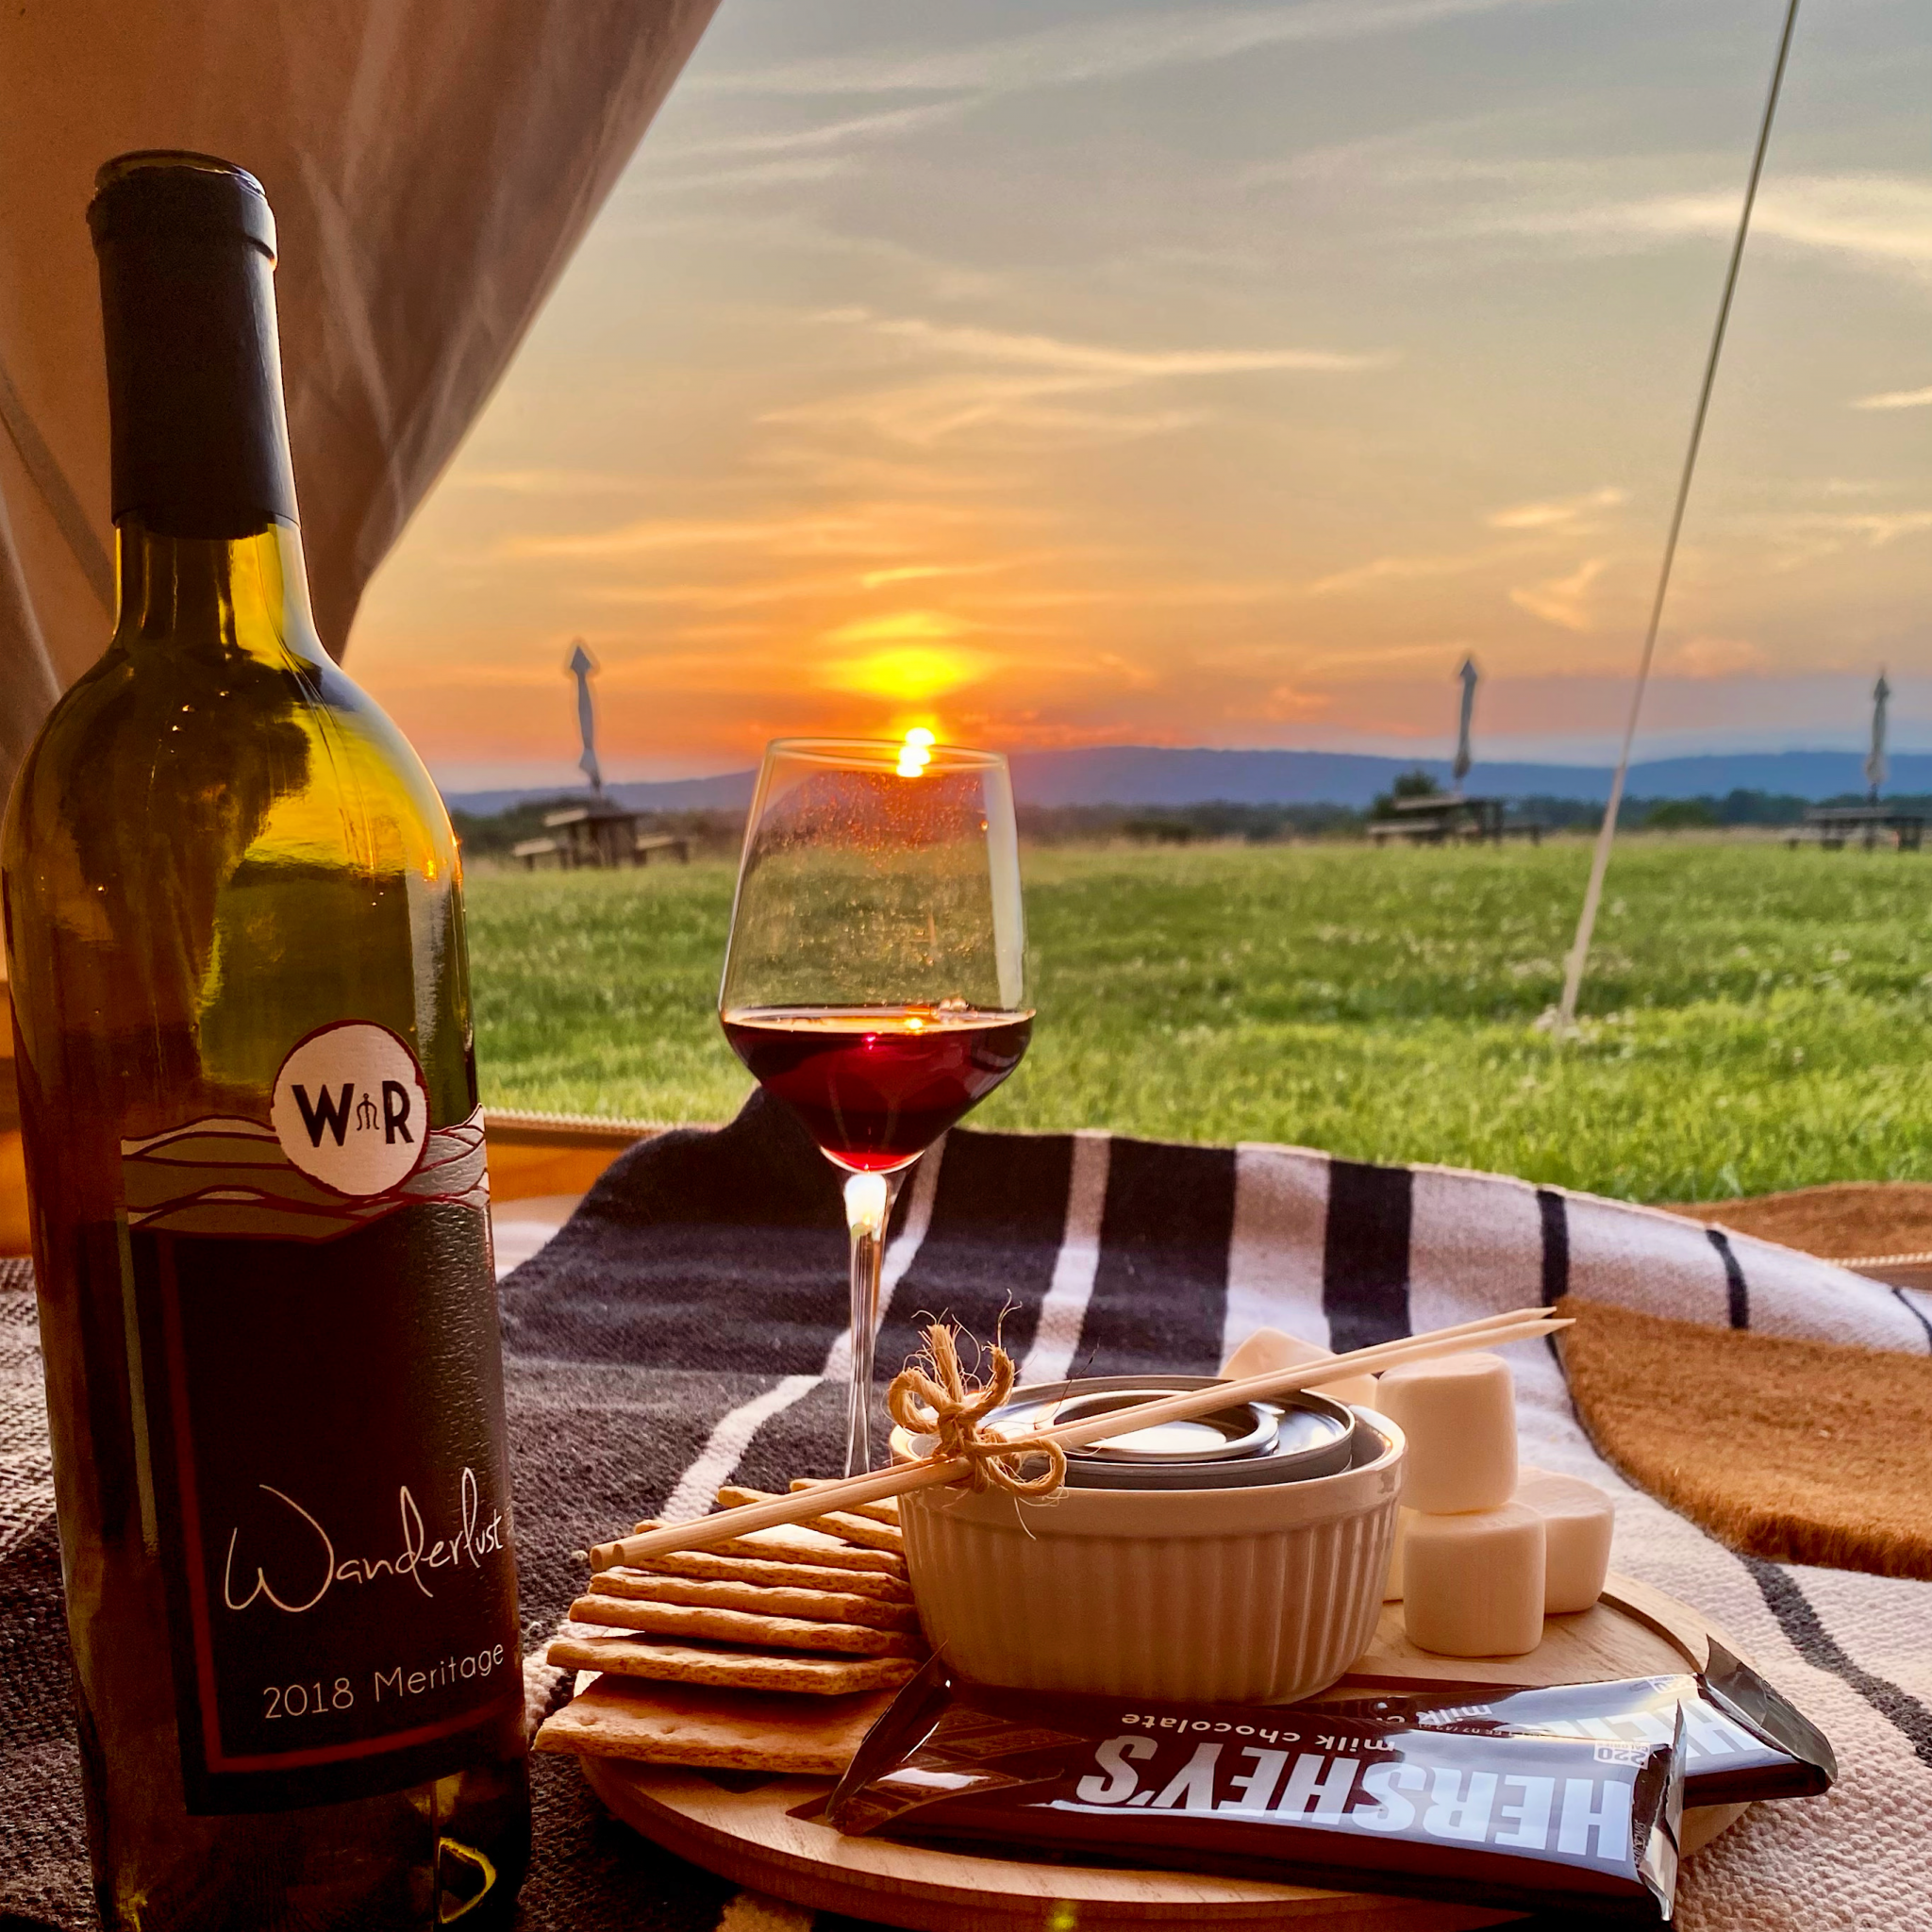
(274, 1388)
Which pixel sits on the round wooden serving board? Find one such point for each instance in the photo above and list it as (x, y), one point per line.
(751, 1837)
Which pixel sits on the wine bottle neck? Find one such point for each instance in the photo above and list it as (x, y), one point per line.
(247, 593)
(200, 440)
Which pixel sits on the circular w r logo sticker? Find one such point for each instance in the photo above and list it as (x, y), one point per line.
(351, 1109)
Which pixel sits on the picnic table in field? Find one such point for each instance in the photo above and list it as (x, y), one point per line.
(1835, 826)
(599, 833)
(1453, 820)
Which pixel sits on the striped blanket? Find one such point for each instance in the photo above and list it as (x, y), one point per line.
(686, 1326)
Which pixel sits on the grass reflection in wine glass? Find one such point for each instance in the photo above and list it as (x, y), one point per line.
(874, 977)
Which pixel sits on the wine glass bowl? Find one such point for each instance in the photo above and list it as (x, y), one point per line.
(874, 977)
(875, 1086)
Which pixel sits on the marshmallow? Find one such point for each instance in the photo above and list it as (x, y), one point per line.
(1472, 1584)
(1268, 1349)
(1392, 1584)
(1459, 1415)
(1577, 1521)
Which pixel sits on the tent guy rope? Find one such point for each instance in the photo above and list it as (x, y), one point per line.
(1600, 860)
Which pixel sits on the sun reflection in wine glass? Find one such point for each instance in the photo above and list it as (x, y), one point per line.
(915, 754)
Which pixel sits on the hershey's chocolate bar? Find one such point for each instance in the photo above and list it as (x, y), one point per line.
(1304, 1794)
(1743, 1739)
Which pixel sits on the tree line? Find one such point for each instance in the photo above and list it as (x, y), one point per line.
(719, 834)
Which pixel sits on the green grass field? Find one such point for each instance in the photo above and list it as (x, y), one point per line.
(1755, 1017)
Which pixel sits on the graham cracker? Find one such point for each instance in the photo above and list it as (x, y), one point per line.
(886, 1510)
(713, 1567)
(745, 1627)
(765, 1599)
(861, 1530)
(640, 1656)
(795, 1542)
(727, 1730)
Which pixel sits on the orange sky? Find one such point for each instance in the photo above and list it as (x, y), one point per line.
(1215, 376)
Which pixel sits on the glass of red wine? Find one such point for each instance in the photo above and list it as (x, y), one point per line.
(875, 981)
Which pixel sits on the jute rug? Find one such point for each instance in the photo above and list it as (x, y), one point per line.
(1801, 1452)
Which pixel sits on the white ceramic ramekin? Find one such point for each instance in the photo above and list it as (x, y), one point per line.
(1259, 1594)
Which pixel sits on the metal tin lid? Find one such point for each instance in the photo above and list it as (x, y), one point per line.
(1248, 1443)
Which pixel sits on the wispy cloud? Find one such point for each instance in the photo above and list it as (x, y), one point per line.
(1882, 221)
(1711, 656)
(1030, 390)
(544, 482)
(1896, 399)
(1106, 49)
(825, 470)
(1390, 664)
(1033, 351)
(717, 634)
(788, 172)
(762, 158)
(853, 533)
(899, 626)
(1866, 529)
(1568, 514)
(1562, 600)
(916, 573)
(757, 585)
(470, 675)
(1429, 153)
(852, 130)
(1879, 222)
(1286, 704)
(1011, 414)
(1397, 569)
(747, 595)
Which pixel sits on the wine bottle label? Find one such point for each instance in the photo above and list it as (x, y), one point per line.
(321, 1390)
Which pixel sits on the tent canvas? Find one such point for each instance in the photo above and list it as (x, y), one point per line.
(432, 164)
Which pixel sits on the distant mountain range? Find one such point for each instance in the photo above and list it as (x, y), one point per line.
(1157, 775)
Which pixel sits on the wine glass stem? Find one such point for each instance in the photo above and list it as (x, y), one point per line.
(868, 1208)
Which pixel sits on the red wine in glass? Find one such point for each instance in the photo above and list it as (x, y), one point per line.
(876, 1086)
(875, 978)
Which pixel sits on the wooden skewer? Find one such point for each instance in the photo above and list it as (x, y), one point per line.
(1517, 1324)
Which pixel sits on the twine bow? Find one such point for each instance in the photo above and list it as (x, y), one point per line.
(932, 1396)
